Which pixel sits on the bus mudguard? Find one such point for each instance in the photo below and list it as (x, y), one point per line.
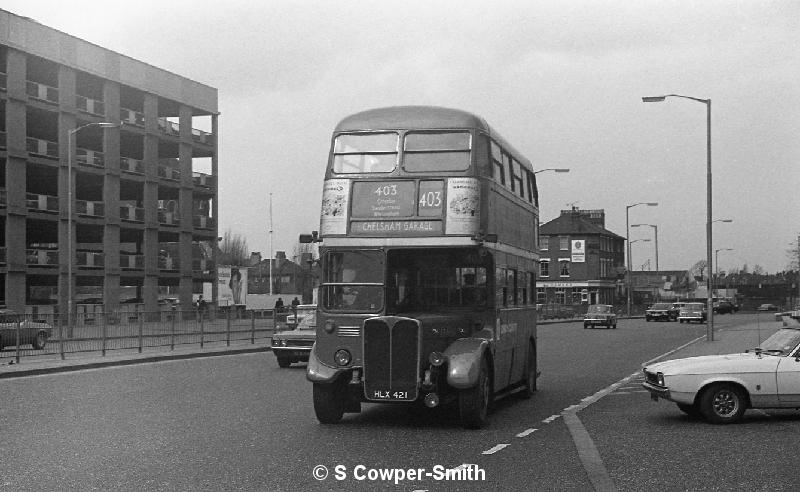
(464, 361)
(317, 372)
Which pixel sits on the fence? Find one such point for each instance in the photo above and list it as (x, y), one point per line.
(134, 331)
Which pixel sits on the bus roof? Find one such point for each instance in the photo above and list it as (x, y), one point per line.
(422, 118)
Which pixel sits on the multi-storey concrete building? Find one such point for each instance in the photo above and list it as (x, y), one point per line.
(581, 261)
(129, 149)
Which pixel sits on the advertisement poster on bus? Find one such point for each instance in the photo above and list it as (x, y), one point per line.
(232, 287)
(463, 206)
(578, 251)
(335, 205)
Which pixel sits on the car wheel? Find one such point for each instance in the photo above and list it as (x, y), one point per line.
(473, 403)
(40, 341)
(723, 404)
(328, 402)
(690, 410)
(585, 326)
(647, 318)
(283, 361)
(529, 386)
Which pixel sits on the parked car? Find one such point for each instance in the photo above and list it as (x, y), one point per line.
(721, 387)
(723, 307)
(600, 314)
(661, 311)
(295, 345)
(767, 307)
(34, 333)
(693, 311)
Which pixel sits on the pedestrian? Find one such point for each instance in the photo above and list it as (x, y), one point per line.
(279, 305)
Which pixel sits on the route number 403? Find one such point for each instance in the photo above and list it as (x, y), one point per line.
(386, 190)
(431, 199)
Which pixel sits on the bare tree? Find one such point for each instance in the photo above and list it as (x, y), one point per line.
(793, 253)
(698, 269)
(233, 250)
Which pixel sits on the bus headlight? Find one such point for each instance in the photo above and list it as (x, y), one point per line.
(342, 357)
(436, 359)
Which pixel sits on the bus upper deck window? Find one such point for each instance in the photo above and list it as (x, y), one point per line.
(365, 153)
(439, 151)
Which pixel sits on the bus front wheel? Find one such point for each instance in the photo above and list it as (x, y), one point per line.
(473, 403)
(328, 402)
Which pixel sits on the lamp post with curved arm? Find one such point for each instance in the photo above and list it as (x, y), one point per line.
(70, 247)
(628, 247)
(655, 228)
(709, 247)
(554, 169)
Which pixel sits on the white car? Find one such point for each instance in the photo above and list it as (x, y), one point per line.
(721, 387)
(600, 314)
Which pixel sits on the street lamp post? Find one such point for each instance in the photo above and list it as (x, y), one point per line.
(655, 228)
(70, 254)
(709, 247)
(628, 253)
(554, 169)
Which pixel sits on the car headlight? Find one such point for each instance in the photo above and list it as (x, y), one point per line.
(342, 357)
(283, 343)
(660, 379)
(275, 341)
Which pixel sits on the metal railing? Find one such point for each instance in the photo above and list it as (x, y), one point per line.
(133, 330)
(41, 91)
(131, 117)
(89, 105)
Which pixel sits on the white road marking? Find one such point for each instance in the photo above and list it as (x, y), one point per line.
(526, 432)
(550, 418)
(495, 449)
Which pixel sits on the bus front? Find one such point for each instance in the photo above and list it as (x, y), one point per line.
(403, 308)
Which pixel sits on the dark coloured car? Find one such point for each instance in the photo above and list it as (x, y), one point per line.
(661, 311)
(32, 333)
(723, 307)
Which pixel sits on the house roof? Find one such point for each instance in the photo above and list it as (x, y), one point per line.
(572, 224)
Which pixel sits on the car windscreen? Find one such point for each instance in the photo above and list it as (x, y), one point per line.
(599, 309)
(660, 306)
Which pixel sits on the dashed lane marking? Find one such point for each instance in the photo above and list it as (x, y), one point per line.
(550, 418)
(526, 432)
(495, 449)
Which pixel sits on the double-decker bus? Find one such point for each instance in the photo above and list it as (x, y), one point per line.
(428, 248)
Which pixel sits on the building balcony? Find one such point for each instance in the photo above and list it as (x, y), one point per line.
(169, 127)
(168, 263)
(131, 165)
(41, 92)
(91, 106)
(168, 169)
(129, 261)
(45, 148)
(91, 209)
(90, 259)
(41, 203)
(131, 117)
(202, 137)
(203, 180)
(89, 157)
(166, 217)
(131, 213)
(202, 222)
(202, 266)
(41, 257)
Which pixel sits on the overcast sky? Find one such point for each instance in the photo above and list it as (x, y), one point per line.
(561, 80)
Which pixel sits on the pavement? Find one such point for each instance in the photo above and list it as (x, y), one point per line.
(725, 341)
